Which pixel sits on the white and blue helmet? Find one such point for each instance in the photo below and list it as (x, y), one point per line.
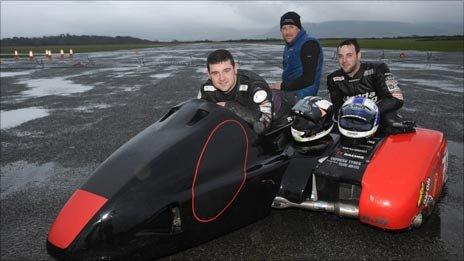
(359, 117)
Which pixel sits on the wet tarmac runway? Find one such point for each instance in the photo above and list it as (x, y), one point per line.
(60, 119)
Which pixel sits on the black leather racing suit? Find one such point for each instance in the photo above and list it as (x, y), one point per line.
(373, 81)
(250, 99)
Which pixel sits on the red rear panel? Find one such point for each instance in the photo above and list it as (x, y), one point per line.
(392, 182)
(77, 212)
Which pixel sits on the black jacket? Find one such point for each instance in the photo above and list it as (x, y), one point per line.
(373, 81)
(250, 99)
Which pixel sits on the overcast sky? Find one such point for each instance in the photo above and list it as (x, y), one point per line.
(196, 20)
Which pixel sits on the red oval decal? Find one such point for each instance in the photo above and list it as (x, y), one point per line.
(218, 207)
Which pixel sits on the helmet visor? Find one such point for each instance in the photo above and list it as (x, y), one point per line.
(355, 124)
(357, 118)
(305, 125)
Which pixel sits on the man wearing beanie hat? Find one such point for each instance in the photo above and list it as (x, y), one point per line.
(290, 18)
(302, 59)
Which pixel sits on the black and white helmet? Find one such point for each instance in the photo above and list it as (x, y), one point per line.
(359, 117)
(310, 123)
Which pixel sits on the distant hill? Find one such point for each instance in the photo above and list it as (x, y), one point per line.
(332, 29)
(372, 29)
(66, 39)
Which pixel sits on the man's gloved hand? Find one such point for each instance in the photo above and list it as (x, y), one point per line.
(401, 127)
(259, 127)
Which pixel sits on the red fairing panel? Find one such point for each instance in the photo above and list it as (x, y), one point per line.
(391, 185)
(77, 212)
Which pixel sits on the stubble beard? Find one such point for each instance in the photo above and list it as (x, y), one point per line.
(352, 70)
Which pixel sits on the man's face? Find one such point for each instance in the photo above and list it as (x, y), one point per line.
(223, 75)
(348, 59)
(289, 32)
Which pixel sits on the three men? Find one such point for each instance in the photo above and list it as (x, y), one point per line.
(370, 80)
(302, 59)
(243, 92)
(248, 95)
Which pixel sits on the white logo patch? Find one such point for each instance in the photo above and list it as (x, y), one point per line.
(259, 96)
(243, 87)
(391, 83)
(338, 78)
(209, 88)
(323, 104)
(370, 95)
(368, 72)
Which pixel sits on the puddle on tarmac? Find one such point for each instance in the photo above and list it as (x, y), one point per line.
(173, 68)
(125, 74)
(161, 75)
(13, 74)
(116, 69)
(13, 118)
(21, 174)
(131, 89)
(91, 108)
(201, 70)
(168, 57)
(53, 86)
(249, 67)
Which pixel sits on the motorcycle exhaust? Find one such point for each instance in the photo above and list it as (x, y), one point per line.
(338, 208)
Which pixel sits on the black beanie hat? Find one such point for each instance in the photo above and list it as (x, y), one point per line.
(290, 18)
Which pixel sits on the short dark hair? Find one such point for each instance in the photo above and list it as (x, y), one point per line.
(219, 56)
(351, 41)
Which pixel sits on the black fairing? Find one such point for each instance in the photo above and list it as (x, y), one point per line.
(198, 150)
(344, 167)
(296, 183)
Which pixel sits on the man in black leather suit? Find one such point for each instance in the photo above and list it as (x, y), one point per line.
(370, 80)
(243, 92)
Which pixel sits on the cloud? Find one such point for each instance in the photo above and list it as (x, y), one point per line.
(187, 20)
(399, 11)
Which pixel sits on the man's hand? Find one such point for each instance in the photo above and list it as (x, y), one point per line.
(221, 104)
(276, 85)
